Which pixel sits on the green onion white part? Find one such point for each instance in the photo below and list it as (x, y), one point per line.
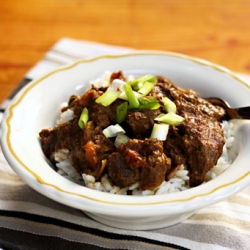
(160, 131)
(113, 131)
(121, 139)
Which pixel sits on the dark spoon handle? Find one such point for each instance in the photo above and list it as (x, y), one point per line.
(243, 112)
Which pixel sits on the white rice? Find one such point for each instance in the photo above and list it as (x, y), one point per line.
(177, 183)
(65, 116)
(65, 168)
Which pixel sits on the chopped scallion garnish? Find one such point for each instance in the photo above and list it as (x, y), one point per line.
(121, 139)
(112, 93)
(138, 82)
(148, 78)
(149, 103)
(146, 88)
(108, 97)
(121, 112)
(133, 101)
(142, 79)
(170, 118)
(160, 131)
(113, 130)
(84, 117)
(123, 95)
(169, 105)
(135, 84)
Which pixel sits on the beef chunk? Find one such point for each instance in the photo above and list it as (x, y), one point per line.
(104, 116)
(77, 103)
(202, 145)
(140, 161)
(66, 135)
(186, 100)
(158, 165)
(198, 141)
(119, 172)
(140, 123)
(88, 147)
(95, 149)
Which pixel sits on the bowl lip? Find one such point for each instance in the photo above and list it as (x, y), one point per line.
(106, 199)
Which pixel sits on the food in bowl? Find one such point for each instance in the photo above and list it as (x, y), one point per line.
(140, 136)
(29, 113)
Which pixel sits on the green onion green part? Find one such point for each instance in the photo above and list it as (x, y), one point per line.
(133, 101)
(121, 112)
(169, 105)
(148, 78)
(135, 84)
(146, 88)
(170, 118)
(108, 97)
(112, 93)
(84, 117)
(149, 103)
(139, 82)
(160, 131)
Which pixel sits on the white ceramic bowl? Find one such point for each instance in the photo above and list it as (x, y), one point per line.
(37, 106)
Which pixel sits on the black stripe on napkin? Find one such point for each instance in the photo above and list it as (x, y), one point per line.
(19, 240)
(81, 228)
(23, 83)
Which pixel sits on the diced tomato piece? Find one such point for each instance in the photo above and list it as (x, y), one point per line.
(91, 155)
(134, 159)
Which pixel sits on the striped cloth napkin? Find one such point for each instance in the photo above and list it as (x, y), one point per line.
(28, 220)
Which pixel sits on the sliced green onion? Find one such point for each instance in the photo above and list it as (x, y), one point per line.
(160, 131)
(133, 101)
(138, 82)
(146, 88)
(121, 112)
(170, 118)
(148, 78)
(123, 95)
(169, 105)
(84, 117)
(149, 103)
(117, 84)
(121, 139)
(113, 130)
(111, 94)
(108, 97)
